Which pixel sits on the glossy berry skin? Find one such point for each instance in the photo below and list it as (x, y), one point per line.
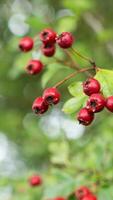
(35, 180)
(48, 36)
(109, 103)
(34, 67)
(48, 49)
(59, 198)
(85, 117)
(26, 44)
(39, 106)
(51, 96)
(81, 192)
(95, 103)
(65, 40)
(91, 86)
(90, 197)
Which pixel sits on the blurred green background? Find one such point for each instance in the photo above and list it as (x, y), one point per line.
(64, 153)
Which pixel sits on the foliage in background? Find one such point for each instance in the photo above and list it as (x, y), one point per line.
(64, 163)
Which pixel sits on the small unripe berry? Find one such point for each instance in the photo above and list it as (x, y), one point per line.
(109, 103)
(26, 44)
(48, 49)
(89, 197)
(34, 67)
(35, 180)
(81, 192)
(95, 103)
(51, 96)
(85, 117)
(48, 36)
(39, 106)
(65, 40)
(91, 86)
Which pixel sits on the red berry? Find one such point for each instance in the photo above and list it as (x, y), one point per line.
(90, 197)
(35, 180)
(48, 36)
(65, 40)
(39, 106)
(109, 103)
(95, 103)
(59, 198)
(51, 96)
(48, 49)
(34, 67)
(85, 117)
(26, 44)
(81, 192)
(91, 86)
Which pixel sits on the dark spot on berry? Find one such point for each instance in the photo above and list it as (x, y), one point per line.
(49, 99)
(93, 103)
(36, 110)
(30, 67)
(45, 34)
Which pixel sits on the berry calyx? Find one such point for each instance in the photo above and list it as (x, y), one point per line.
(85, 117)
(48, 36)
(51, 96)
(34, 67)
(48, 49)
(81, 192)
(65, 40)
(39, 106)
(89, 197)
(91, 86)
(109, 103)
(26, 44)
(95, 103)
(35, 180)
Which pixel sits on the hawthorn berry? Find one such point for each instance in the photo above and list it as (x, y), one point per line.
(81, 192)
(65, 40)
(39, 106)
(51, 96)
(85, 117)
(35, 180)
(91, 86)
(48, 36)
(95, 103)
(59, 198)
(48, 49)
(89, 197)
(26, 44)
(109, 103)
(34, 67)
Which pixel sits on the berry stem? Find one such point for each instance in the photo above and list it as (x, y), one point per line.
(72, 75)
(68, 54)
(64, 63)
(83, 57)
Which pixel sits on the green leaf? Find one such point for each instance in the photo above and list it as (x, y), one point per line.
(74, 104)
(106, 194)
(105, 77)
(76, 89)
(63, 187)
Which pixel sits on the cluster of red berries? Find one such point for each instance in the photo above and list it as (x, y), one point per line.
(48, 48)
(95, 103)
(83, 193)
(51, 96)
